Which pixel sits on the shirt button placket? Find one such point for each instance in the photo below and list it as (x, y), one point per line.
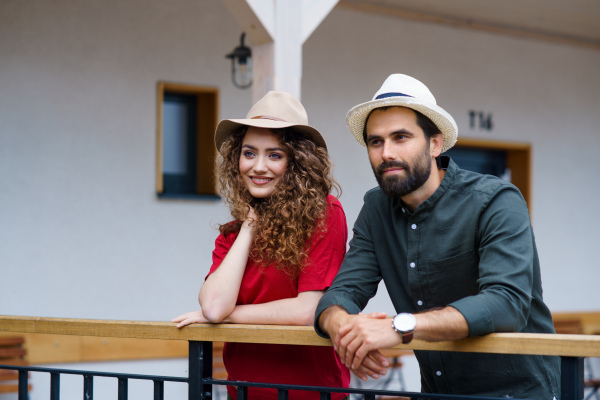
(413, 264)
(415, 278)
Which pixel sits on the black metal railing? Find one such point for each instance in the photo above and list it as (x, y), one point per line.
(200, 381)
(88, 381)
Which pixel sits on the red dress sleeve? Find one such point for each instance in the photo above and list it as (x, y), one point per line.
(327, 251)
(222, 246)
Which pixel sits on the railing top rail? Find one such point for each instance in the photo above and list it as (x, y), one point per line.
(501, 343)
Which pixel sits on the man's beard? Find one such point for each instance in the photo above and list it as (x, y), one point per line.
(396, 186)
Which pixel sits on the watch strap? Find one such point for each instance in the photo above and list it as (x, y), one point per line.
(407, 337)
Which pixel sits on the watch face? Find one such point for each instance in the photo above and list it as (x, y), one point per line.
(404, 322)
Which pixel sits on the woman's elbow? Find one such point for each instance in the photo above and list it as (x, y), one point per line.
(214, 313)
(214, 316)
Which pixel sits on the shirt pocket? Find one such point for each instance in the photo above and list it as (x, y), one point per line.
(452, 278)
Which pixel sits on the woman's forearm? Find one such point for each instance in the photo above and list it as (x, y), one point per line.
(294, 311)
(219, 292)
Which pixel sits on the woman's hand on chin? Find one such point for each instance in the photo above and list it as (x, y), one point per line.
(193, 317)
(250, 221)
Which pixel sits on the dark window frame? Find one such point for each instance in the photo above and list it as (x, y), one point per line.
(199, 183)
(518, 159)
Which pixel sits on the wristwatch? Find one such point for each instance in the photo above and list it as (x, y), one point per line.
(404, 324)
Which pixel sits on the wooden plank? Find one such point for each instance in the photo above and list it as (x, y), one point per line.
(9, 388)
(11, 340)
(14, 361)
(12, 388)
(52, 349)
(10, 352)
(111, 349)
(45, 349)
(8, 375)
(499, 343)
(589, 320)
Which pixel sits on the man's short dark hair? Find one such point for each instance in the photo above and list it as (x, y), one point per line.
(429, 128)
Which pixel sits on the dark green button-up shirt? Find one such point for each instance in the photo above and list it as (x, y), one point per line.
(470, 245)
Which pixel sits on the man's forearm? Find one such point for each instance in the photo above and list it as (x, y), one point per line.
(438, 325)
(330, 320)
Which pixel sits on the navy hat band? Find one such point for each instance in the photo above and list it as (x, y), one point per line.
(385, 95)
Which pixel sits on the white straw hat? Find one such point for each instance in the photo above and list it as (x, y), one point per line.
(275, 110)
(404, 91)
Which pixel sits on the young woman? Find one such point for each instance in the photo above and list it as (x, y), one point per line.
(273, 262)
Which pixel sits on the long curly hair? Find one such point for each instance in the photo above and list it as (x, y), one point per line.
(294, 215)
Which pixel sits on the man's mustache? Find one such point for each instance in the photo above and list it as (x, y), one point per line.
(392, 164)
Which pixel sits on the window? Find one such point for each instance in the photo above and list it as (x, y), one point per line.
(511, 161)
(484, 161)
(186, 122)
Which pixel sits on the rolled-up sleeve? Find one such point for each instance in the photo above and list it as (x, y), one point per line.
(506, 261)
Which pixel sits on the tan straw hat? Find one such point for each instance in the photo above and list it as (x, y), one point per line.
(404, 91)
(275, 110)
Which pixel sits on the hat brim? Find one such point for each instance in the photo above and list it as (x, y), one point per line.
(357, 116)
(227, 127)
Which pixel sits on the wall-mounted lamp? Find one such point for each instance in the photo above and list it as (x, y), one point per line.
(241, 65)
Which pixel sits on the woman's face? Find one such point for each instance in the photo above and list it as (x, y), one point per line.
(263, 161)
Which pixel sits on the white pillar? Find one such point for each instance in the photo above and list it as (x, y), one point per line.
(276, 30)
(262, 70)
(287, 75)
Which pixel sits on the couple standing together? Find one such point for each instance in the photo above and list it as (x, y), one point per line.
(454, 248)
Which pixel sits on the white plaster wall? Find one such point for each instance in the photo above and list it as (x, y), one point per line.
(81, 231)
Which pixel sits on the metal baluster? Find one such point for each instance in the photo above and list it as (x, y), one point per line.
(369, 396)
(325, 396)
(88, 387)
(571, 378)
(122, 389)
(200, 367)
(282, 394)
(242, 393)
(54, 386)
(23, 384)
(159, 390)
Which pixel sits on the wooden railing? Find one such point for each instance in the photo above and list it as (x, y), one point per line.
(572, 348)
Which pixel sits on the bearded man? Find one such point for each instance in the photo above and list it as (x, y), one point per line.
(454, 248)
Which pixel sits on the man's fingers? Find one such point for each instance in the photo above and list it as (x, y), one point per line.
(351, 350)
(375, 365)
(345, 329)
(360, 355)
(370, 368)
(363, 373)
(342, 346)
(379, 358)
